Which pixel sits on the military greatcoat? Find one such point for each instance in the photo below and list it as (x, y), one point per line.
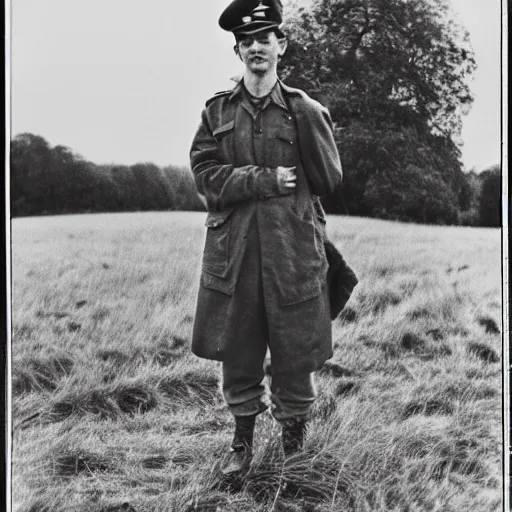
(235, 171)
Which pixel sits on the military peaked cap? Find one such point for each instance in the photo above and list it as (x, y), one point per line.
(251, 16)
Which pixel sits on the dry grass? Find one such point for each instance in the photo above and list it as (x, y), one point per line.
(112, 413)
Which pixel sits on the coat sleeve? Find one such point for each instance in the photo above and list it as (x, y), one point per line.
(321, 158)
(332, 174)
(223, 185)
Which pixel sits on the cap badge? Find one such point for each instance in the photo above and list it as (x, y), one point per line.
(259, 12)
(246, 19)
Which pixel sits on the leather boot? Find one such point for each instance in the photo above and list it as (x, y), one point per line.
(294, 432)
(238, 460)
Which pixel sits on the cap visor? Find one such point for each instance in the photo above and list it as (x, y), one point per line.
(253, 28)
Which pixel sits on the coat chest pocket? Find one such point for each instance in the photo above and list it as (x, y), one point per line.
(223, 130)
(282, 148)
(224, 136)
(216, 248)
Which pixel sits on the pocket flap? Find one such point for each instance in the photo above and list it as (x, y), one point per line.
(286, 137)
(287, 134)
(216, 219)
(224, 128)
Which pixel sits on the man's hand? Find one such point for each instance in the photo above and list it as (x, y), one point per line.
(286, 179)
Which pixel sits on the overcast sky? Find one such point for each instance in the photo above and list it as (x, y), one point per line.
(124, 81)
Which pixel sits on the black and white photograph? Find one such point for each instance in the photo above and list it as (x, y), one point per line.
(257, 256)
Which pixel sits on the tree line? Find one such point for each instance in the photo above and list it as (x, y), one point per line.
(54, 180)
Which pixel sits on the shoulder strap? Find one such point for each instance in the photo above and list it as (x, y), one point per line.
(217, 95)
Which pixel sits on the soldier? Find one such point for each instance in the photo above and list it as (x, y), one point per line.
(262, 156)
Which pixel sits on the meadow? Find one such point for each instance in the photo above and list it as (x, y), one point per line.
(111, 411)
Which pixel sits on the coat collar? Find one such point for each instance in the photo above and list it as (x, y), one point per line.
(291, 91)
(276, 95)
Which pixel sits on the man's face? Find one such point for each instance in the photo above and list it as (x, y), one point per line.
(260, 52)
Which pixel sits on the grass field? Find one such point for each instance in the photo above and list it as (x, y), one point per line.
(112, 413)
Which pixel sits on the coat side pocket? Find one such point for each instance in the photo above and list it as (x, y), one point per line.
(216, 248)
(307, 264)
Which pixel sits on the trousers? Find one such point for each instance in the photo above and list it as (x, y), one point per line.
(291, 394)
(246, 394)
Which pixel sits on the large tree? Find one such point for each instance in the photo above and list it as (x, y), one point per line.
(394, 75)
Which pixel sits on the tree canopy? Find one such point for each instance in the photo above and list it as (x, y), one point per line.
(395, 77)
